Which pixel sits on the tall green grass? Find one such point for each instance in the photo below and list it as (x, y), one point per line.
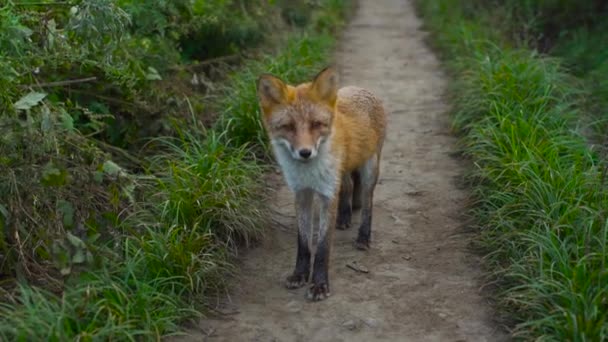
(581, 51)
(174, 252)
(541, 193)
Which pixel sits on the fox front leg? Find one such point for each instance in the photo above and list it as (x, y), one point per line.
(304, 215)
(320, 274)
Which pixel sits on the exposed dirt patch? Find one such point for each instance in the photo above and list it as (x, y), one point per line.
(418, 282)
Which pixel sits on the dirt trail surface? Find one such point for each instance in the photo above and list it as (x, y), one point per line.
(422, 282)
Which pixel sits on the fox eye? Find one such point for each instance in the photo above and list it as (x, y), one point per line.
(317, 124)
(288, 127)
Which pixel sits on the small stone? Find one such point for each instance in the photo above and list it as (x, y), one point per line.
(355, 266)
(407, 257)
(294, 306)
(397, 220)
(350, 324)
(363, 269)
(371, 322)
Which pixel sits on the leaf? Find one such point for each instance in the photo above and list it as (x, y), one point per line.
(3, 220)
(52, 32)
(75, 240)
(67, 120)
(66, 270)
(66, 208)
(53, 176)
(3, 211)
(30, 100)
(47, 122)
(89, 256)
(128, 191)
(98, 177)
(93, 237)
(111, 168)
(153, 74)
(79, 256)
(25, 31)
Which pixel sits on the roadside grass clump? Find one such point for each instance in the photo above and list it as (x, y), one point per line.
(135, 300)
(540, 192)
(206, 182)
(579, 51)
(175, 252)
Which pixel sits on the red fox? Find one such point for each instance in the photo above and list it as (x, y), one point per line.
(327, 141)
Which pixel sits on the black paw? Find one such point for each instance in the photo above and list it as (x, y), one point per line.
(344, 218)
(318, 292)
(362, 244)
(295, 281)
(343, 223)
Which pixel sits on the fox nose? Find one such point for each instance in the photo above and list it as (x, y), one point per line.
(305, 153)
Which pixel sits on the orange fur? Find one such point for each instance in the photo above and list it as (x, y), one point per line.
(322, 136)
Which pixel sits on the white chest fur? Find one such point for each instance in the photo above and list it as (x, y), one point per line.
(319, 174)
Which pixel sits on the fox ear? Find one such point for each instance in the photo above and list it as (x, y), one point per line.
(271, 91)
(325, 85)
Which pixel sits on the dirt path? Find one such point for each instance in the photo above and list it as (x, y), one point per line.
(422, 283)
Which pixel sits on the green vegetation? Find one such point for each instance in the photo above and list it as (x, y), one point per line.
(527, 79)
(129, 146)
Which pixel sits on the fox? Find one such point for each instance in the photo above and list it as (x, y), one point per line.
(327, 140)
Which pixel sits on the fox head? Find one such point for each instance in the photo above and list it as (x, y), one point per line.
(299, 118)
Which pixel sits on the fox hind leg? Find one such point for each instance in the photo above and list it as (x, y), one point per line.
(368, 177)
(356, 177)
(345, 211)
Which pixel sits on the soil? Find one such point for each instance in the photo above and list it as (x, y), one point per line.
(422, 282)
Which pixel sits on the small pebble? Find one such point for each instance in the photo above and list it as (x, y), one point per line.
(294, 306)
(351, 324)
(355, 266)
(371, 322)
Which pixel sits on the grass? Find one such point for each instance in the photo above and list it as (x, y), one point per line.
(540, 189)
(207, 183)
(206, 200)
(172, 244)
(579, 52)
(134, 301)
